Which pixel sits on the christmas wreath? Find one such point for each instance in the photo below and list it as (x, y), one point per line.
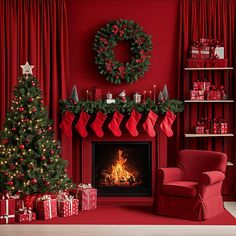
(108, 37)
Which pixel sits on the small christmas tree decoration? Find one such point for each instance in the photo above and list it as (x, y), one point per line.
(160, 98)
(114, 125)
(165, 93)
(98, 123)
(30, 144)
(74, 94)
(167, 123)
(81, 124)
(149, 123)
(132, 123)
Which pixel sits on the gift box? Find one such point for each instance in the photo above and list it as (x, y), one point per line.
(219, 52)
(46, 208)
(214, 95)
(7, 211)
(197, 95)
(195, 51)
(216, 62)
(87, 196)
(97, 94)
(215, 129)
(223, 127)
(195, 63)
(68, 206)
(24, 215)
(201, 85)
(199, 129)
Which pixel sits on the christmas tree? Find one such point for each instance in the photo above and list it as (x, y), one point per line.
(30, 157)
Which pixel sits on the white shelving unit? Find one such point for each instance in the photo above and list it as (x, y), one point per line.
(207, 135)
(209, 101)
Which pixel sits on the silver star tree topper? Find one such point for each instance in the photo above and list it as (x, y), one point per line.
(27, 69)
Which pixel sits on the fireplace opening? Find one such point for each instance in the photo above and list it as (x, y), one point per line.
(122, 168)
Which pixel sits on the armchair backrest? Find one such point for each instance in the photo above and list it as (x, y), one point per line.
(194, 162)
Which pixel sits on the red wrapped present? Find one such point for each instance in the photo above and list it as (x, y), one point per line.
(215, 62)
(199, 129)
(46, 208)
(97, 94)
(223, 127)
(219, 52)
(67, 206)
(195, 50)
(7, 210)
(195, 63)
(197, 95)
(24, 215)
(201, 85)
(215, 128)
(214, 95)
(87, 196)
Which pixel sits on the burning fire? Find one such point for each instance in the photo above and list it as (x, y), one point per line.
(119, 174)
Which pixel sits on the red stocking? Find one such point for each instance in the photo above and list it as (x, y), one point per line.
(132, 122)
(81, 124)
(114, 125)
(167, 123)
(66, 123)
(97, 124)
(149, 123)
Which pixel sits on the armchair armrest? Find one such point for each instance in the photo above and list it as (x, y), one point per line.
(211, 177)
(171, 174)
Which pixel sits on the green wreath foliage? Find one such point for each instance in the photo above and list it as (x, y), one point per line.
(107, 38)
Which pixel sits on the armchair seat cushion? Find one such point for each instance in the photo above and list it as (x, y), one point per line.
(180, 188)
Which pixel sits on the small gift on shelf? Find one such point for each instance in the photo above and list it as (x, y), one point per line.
(205, 48)
(223, 127)
(46, 208)
(7, 209)
(67, 205)
(215, 126)
(195, 63)
(87, 196)
(214, 94)
(24, 214)
(219, 51)
(197, 95)
(200, 128)
(201, 85)
(195, 50)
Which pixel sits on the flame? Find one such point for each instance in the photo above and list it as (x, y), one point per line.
(120, 173)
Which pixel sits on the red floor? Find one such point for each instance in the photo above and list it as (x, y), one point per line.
(135, 215)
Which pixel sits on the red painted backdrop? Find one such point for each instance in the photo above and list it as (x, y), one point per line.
(159, 18)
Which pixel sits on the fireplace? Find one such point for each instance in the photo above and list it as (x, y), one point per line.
(122, 168)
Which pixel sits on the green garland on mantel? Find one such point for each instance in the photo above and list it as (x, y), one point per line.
(95, 106)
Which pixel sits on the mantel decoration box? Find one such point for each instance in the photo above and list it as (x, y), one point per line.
(67, 205)
(46, 208)
(87, 196)
(7, 210)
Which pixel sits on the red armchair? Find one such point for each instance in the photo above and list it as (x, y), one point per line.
(192, 190)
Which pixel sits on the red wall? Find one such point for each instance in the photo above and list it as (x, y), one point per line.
(159, 18)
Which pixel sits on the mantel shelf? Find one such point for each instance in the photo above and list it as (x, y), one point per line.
(208, 101)
(208, 135)
(209, 68)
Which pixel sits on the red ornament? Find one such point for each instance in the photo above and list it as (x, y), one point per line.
(5, 141)
(22, 146)
(33, 181)
(21, 109)
(10, 183)
(12, 167)
(42, 158)
(58, 146)
(13, 129)
(30, 99)
(49, 128)
(21, 159)
(33, 83)
(46, 183)
(52, 152)
(34, 109)
(6, 173)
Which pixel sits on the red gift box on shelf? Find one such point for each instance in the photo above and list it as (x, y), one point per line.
(24, 215)
(215, 62)
(195, 63)
(46, 208)
(200, 128)
(197, 95)
(67, 206)
(87, 196)
(223, 127)
(201, 85)
(7, 210)
(214, 95)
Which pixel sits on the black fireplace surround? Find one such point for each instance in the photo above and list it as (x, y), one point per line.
(122, 169)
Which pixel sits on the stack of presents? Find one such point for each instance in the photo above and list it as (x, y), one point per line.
(207, 53)
(43, 207)
(215, 126)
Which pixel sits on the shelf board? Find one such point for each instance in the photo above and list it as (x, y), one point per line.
(208, 101)
(207, 135)
(209, 68)
(229, 163)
